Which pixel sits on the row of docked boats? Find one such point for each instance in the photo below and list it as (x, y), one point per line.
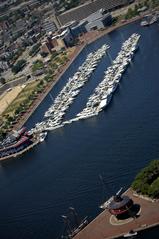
(102, 94)
(100, 98)
(55, 114)
(149, 20)
(67, 95)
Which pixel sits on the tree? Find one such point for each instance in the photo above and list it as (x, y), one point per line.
(19, 66)
(2, 80)
(43, 54)
(147, 181)
(37, 65)
(34, 50)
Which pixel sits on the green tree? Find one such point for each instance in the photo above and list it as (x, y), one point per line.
(18, 66)
(2, 80)
(37, 65)
(34, 50)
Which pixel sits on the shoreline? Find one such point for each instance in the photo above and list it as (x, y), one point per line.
(101, 226)
(89, 39)
(48, 88)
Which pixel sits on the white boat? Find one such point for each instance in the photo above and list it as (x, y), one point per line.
(144, 23)
(103, 104)
(54, 127)
(153, 20)
(75, 119)
(72, 88)
(105, 204)
(130, 234)
(103, 92)
(42, 136)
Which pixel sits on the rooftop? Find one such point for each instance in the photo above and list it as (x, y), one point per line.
(83, 11)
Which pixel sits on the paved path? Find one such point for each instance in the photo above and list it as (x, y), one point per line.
(100, 227)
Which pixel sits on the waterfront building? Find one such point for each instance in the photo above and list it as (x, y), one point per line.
(49, 25)
(83, 11)
(53, 43)
(98, 20)
(44, 47)
(79, 28)
(58, 43)
(15, 143)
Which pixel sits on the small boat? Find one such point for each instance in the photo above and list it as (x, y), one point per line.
(54, 127)
(130, 234)
(42, 136)
(144, 23)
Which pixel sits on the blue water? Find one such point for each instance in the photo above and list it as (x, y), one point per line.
(37, 188)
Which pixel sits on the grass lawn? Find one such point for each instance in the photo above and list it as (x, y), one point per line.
(21, 98)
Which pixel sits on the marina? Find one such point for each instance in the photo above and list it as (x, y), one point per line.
(66, 97)
(63, 170)
(102, 94)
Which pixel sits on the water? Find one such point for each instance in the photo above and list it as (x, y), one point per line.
(37, 188)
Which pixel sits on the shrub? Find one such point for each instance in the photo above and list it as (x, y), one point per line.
(147, 181)
(19, 66)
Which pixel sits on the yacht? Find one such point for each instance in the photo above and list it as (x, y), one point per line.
(130, 234)
(42, 136)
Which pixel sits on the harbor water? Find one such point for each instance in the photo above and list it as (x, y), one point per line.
(63, 171)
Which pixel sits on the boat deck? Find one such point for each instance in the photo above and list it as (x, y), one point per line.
(20, 152)
(101, 228)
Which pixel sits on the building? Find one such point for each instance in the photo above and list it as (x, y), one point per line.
(45, 47)
(15, 143)
(49, 25)
(95, 21)
(58, 43)
(98, 20)
(4, 65)
(80, 28)
(67, 37)
(83, 11)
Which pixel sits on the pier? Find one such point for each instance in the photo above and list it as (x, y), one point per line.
(104, 226)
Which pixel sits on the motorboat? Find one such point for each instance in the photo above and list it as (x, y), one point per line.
(42, 136)
(130, 234)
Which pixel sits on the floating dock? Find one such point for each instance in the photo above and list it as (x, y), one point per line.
(104, 226)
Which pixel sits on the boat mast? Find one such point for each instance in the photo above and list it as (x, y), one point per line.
(67, 223)
(75, 215)
(51, 96)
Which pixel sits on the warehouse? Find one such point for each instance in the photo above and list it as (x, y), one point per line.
(83, 11)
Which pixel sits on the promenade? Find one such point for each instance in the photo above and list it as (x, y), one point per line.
(102, 228)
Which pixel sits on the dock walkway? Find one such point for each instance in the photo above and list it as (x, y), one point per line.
(100, 227)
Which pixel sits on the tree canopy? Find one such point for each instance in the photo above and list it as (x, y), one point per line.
(147, 181)
(18, 66)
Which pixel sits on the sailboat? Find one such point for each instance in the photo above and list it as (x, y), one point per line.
(70, 231)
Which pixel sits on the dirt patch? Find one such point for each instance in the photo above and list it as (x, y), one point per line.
(8, 97)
